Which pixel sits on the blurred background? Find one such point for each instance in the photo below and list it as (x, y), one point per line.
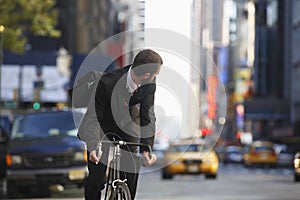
(254, 45)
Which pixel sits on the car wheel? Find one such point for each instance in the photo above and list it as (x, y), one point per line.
(40, 192)
(210, 176)
(296, 177)
(166, 175)
(12, 191)
(273, 166)
(247, 164)
(2, 189)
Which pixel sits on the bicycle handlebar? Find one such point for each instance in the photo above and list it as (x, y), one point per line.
(124, 143)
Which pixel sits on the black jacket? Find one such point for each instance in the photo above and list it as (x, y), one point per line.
(114, 106)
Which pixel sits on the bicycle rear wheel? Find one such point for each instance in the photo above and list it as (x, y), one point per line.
(121, 192)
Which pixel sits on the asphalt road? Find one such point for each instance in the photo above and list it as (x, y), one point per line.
(234, 182)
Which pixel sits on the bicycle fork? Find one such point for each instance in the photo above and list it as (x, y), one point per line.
(114, 171)
(117, 167)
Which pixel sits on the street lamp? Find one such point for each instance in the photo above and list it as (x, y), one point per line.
(1, 58)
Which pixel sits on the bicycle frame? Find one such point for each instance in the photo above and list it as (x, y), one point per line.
(114, 170)
(114, 176)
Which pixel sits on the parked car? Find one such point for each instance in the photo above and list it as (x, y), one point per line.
(44, 151)
(260, 153)
(190, 157)
(297, 167)
(220, 150)
(285, 155)
(5, 123)
(233, 154)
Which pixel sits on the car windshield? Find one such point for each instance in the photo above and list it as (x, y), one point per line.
(188, 148)
(233, 149)
(44, 125)
(263, 148)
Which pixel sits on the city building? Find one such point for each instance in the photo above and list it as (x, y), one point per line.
(259, 40)
(84, 25)
(273, 110)
(293, 60)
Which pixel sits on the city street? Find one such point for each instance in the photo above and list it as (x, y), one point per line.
(233, 182)
(205, 85)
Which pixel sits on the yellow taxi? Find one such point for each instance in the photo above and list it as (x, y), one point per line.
(191, 156)
(260, 153)
(297, 167)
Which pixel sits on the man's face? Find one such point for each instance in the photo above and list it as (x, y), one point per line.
(154, 75)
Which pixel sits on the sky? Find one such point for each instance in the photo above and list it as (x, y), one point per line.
(172, 15)
(174, 96)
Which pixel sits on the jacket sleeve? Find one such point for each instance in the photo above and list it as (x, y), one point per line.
(90, 130)
(95, 111)
(147, 118)
(100, 100)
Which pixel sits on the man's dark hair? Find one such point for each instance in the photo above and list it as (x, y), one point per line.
(148, 60)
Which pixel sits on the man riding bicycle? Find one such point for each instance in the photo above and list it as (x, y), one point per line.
(124, 106)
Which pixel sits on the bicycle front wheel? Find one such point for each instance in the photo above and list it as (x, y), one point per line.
(121, 192)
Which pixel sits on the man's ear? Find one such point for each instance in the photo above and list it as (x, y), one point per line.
(147, 75)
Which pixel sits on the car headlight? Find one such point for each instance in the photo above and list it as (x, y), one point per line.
(16, 159)
(80, 156)
(297, 163)
(13, 160)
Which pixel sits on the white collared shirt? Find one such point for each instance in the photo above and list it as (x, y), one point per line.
(131, 86)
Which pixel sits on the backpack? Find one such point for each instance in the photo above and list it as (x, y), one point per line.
(83, 89)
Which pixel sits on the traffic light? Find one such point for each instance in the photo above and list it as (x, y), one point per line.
(36, 105)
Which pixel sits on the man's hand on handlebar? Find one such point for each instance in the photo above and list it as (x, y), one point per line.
(96, 155)
(149, 159)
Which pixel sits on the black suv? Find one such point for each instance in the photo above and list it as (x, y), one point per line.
(44, 150)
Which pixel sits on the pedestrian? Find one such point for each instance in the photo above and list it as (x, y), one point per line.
(124, 109)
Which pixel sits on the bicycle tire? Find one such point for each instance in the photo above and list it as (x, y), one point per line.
(108, 192)
(109, 188)
(121, 192)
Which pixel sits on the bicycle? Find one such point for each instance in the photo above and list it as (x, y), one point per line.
(116, 188)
